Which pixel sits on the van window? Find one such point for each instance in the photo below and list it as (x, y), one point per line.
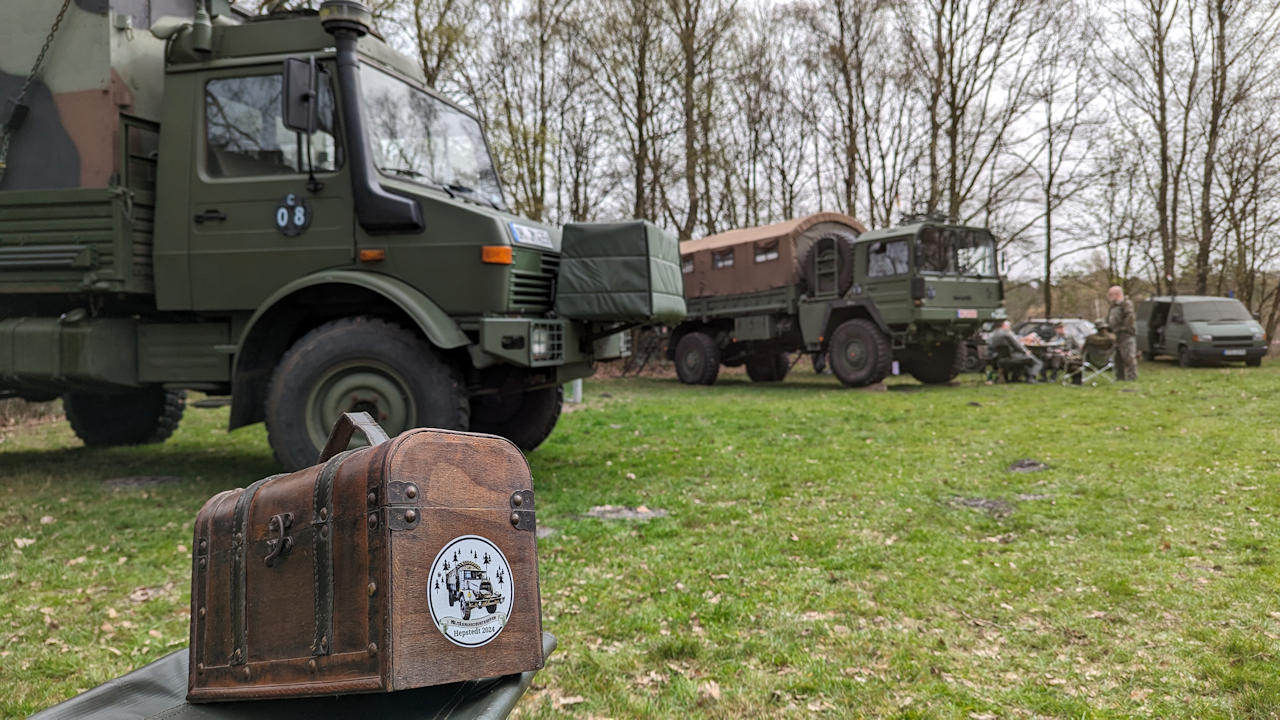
(245, 137)
(1225, 310)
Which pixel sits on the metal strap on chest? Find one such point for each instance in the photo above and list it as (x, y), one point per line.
(239, 552)
(322, 558)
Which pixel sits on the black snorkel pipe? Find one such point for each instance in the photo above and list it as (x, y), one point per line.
(377, 210)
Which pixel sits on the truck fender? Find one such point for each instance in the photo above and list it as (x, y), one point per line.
(841, 310)
(434, 323)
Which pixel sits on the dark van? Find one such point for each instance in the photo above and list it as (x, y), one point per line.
(1195, 328)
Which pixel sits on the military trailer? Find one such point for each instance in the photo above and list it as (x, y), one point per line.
(277, 209)
(824, 285)
(1195, 329)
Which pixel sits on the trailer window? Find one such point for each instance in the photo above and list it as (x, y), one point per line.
(767, 251)
(721, 259)
(686, 264)
(886, 259)
(244, 135)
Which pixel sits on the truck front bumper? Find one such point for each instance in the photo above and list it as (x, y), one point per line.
(544, 343)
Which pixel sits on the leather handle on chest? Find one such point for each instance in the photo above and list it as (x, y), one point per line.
(345, 428)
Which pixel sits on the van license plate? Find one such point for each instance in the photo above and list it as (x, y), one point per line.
(967, 314)
(1233, 352)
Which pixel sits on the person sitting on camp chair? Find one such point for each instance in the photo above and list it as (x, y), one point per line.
(1096, 358)
(1011, 356)
(1064, 351)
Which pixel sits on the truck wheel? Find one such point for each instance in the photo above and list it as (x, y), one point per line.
(860, 353)
(149, 415)
(819, 360)
(768, 367)
(935, 365)
(525, 419)
(466, 613)
(491, 609)
(697, 359)
(1184, 356)
(356, 364)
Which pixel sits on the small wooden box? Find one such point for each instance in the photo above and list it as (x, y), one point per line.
(408, 563)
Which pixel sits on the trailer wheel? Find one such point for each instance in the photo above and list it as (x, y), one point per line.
(860, 353)
(935, 365)
(525, 418)
(768, 367)
(356, 364)
(697, 359)
(140, 417)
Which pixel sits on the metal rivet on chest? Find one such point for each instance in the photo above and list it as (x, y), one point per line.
(373, 648)
(373, 520)
(311, 665)
(515, 518)
(411, 492)
(410, 515)
(517, 499)
(373, 589)
(324, 513)
(373, 498)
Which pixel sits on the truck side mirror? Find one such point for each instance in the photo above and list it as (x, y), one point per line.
(300, 109)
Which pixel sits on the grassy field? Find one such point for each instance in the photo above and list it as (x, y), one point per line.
(826, 551)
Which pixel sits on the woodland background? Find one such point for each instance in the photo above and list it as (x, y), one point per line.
(1118, 141)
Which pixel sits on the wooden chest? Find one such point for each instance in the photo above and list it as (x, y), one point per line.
(411, 562)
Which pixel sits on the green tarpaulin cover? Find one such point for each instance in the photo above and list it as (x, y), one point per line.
(620, 272)
(158, 691)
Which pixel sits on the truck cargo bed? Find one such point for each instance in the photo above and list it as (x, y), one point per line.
(76, 240)
(782, 300)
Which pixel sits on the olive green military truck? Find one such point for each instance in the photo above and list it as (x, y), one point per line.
(275, 208)
(824, 285)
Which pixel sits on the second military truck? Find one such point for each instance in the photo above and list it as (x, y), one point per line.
(825, 286)
(276, 208)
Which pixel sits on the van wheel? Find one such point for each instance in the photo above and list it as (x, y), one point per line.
(1148, 355)
(139, 417)
(1253, 362)
(697, 359)
(1184, 356)
(768, 367)
(356, 364)
(524, 418)
(860, 353)
(936, 365)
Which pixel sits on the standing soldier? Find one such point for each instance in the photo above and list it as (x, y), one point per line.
(1122, 320)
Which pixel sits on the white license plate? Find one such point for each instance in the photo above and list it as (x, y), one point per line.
(967, 314)
(1233, 352)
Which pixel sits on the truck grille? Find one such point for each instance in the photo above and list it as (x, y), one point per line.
(1220, 340)
(534, 291)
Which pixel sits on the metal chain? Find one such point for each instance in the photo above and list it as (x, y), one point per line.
(5, 135)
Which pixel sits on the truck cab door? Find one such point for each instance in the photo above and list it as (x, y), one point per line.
(256, 221)
(888, 277)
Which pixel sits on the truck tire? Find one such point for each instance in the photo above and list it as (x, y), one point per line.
(145, 416)
(973, 359)
(1184, 357)
(936, 365)
(525, 419)
(860, 353)
(466, 613)
(491, 609)
(697, 359)
(354, 364)
(844, 253)
(768, 367)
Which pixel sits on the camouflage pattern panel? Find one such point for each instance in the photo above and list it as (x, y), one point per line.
(102, 62)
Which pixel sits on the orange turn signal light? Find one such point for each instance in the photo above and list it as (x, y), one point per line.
(373, 255)
(496, 254)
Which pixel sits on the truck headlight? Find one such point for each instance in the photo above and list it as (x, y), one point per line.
(1202, 338)
(539, 340)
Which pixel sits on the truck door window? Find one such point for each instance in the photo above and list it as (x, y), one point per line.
(244, 135)
(886, 259)
(955, 251)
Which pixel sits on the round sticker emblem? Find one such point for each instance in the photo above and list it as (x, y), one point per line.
(470, 589)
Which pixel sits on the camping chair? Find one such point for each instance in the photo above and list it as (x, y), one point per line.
(1004, 365)
(1096, 360)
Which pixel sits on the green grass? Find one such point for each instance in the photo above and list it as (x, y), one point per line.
(853, 553)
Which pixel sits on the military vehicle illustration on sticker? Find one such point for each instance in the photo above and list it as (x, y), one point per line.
(825, 286)
(470, 588)
(276, 209)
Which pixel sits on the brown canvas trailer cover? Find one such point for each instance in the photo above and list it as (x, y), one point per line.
(758, 258)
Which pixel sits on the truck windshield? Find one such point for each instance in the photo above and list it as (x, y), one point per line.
(1217, 311)
(423, 139)
(955, 251)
